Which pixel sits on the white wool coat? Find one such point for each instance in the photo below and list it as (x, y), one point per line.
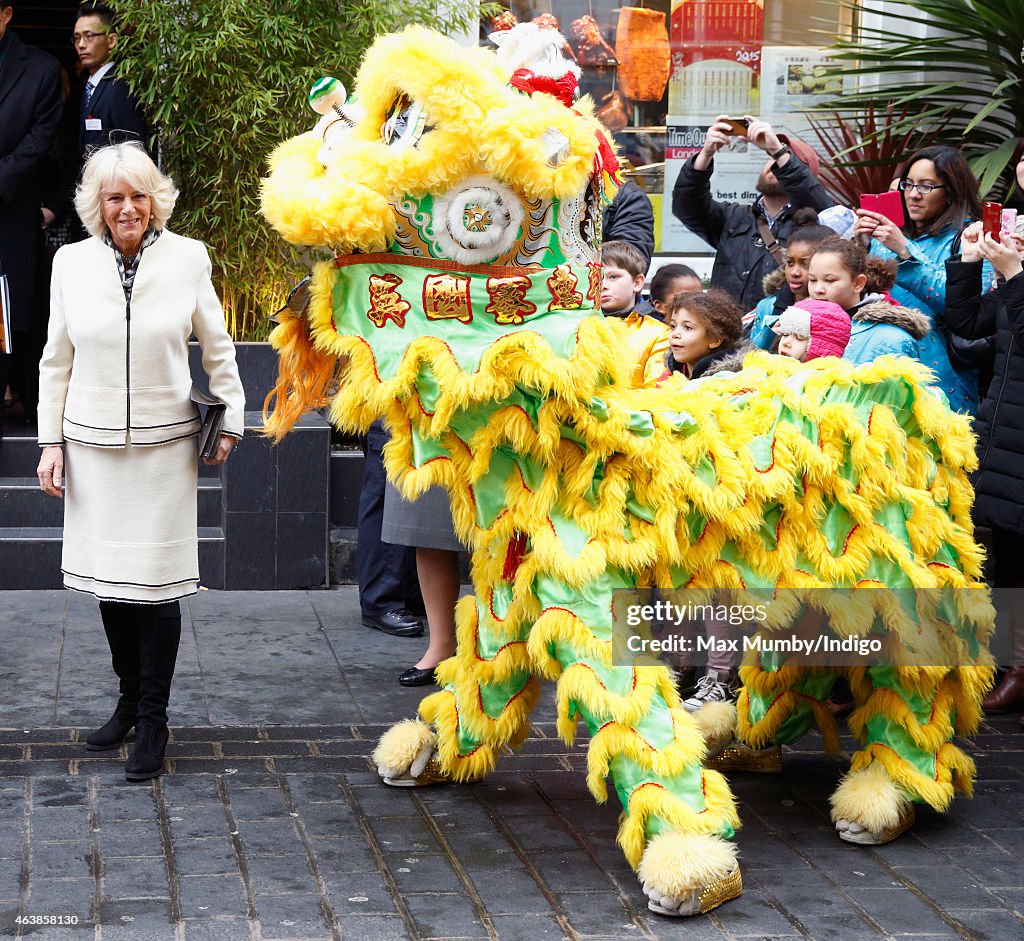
(112, 369)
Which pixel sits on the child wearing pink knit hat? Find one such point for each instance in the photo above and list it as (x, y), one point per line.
(813, 328)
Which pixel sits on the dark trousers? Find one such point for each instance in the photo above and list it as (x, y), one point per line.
(387, 573)
(143, 642)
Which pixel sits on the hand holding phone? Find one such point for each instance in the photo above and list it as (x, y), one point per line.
(888, 204)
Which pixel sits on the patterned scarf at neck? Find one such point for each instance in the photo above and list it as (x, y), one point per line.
(127, 267)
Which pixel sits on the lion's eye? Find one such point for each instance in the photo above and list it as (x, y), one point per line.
(405, 123)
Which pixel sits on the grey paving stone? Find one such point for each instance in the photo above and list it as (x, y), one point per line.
(441, 916)
(330, 819)
(340, 856)
(897, 909)
(257, 803)
(198, 824)
(568, 872)
(212, 857)
(422, 873)
(208, 896)
(269, 837)
(599, 912)
(837, 926)
(359, 893)
(291, 916)
(527, 928)
(279, 875)
(404, 833)
(373, 928)
(61, 860)
(62, 897)
(64, 824)
(126, 878)
(136, 918)
(217, 928)
(990, 925)
(137, 838)
(753, 915)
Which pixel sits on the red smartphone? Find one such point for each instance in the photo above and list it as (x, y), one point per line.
(991, 217)
(888, 204)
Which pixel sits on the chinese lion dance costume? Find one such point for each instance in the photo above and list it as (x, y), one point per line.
(460, 194)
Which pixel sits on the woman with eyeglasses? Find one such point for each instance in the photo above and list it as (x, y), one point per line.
(941, 196)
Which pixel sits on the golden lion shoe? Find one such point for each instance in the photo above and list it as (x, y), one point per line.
(853, 832)
(737, 756)
(700, 903)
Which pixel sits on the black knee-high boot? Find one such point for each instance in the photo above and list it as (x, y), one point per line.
(159, 636)
(122, 633)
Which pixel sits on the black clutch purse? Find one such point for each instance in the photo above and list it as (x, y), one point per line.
(213, 422)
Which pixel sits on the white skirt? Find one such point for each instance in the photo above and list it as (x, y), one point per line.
(130, 521)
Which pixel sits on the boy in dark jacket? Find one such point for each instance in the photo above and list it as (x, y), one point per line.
(786, 183)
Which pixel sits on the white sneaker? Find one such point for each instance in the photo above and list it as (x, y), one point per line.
(711, 687)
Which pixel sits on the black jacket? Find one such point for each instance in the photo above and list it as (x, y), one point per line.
(116, 110)
(742, 261)
(999, 480)
(29, 114)
(630, 218)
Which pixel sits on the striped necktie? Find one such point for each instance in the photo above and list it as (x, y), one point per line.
(89, 89)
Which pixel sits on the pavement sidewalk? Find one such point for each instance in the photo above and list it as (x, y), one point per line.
(272, 824)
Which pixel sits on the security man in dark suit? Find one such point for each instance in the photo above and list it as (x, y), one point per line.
(30, 110)
(104, 105)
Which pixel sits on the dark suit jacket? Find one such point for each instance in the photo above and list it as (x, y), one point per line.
(29, 114)
(113, 105)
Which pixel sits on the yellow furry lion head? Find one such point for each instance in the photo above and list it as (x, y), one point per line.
(433, 121)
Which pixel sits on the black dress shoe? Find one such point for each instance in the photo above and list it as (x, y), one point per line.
(415, 676)
(399, 622)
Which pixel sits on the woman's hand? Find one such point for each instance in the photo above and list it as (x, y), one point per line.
(1002, 253)
(51, 470)
(969, 239)
(225, 446)
(877, 226)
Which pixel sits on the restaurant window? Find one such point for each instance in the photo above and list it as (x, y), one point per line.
(659, 71)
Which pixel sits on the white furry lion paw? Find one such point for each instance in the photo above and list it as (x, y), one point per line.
(717, 722)
(869, 809)
(406, 755)
(691, 874)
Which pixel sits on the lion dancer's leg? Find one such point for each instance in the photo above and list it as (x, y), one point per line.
(906, 718)
(489, 692)
(779, 702)
(677, 817)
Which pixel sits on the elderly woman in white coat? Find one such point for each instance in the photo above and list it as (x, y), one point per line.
(117, 423)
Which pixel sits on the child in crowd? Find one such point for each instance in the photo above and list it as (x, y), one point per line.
(705, 334)
(624, 271)
(668, 281)
(842, 271)
(787, 285)
(812, 328)
(705, 337)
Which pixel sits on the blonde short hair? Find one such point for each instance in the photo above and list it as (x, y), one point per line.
(122, 163)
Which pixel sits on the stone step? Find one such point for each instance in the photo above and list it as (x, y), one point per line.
(19, 455)
(23, 504)
(30, 557)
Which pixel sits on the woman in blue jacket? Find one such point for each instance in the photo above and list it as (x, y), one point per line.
(941, 196)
